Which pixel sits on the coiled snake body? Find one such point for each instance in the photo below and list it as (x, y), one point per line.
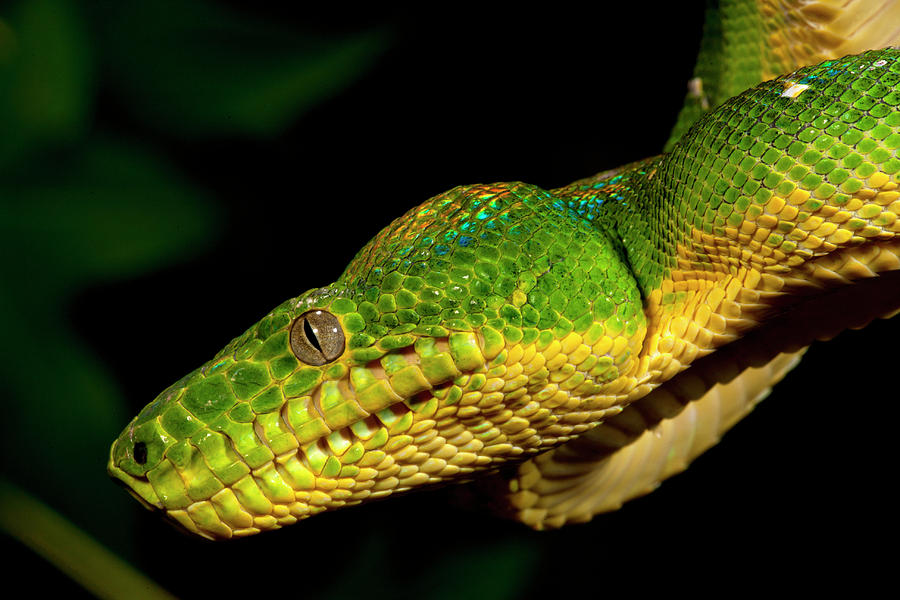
(565, 335)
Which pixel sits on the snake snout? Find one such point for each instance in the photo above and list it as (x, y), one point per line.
(139, 487)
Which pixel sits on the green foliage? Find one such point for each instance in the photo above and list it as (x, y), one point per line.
(213, 71)
(85, 203)
(46, 83)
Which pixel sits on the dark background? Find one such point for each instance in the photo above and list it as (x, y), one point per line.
(237, 213)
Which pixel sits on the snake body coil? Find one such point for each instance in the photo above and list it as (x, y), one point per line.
(566, 333)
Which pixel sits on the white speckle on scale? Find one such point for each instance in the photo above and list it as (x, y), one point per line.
(695, 90)
(792, 90)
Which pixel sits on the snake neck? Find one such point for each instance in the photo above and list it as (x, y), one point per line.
(628, 205)
(773, 204)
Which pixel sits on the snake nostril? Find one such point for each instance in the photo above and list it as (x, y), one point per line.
(140, 453)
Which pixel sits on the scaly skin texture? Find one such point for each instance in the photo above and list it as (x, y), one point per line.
(495, 322)
(748, 42)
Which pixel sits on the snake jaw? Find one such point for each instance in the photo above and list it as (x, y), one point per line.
(430, 410)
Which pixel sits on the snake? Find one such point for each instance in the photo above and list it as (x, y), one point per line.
(563, 351)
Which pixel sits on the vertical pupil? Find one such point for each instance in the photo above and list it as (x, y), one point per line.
(311, 335)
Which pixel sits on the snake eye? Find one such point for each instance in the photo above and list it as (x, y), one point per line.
(140, 453)
(317, 337)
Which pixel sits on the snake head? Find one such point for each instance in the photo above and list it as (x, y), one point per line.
(485, 325)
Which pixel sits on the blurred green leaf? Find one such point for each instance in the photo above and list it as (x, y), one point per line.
(213, 71)
(110, 210)
(70, 549)
(45, 76)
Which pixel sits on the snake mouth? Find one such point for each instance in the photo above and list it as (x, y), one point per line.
(138, 487)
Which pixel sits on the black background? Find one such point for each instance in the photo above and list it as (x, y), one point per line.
(796, 498)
